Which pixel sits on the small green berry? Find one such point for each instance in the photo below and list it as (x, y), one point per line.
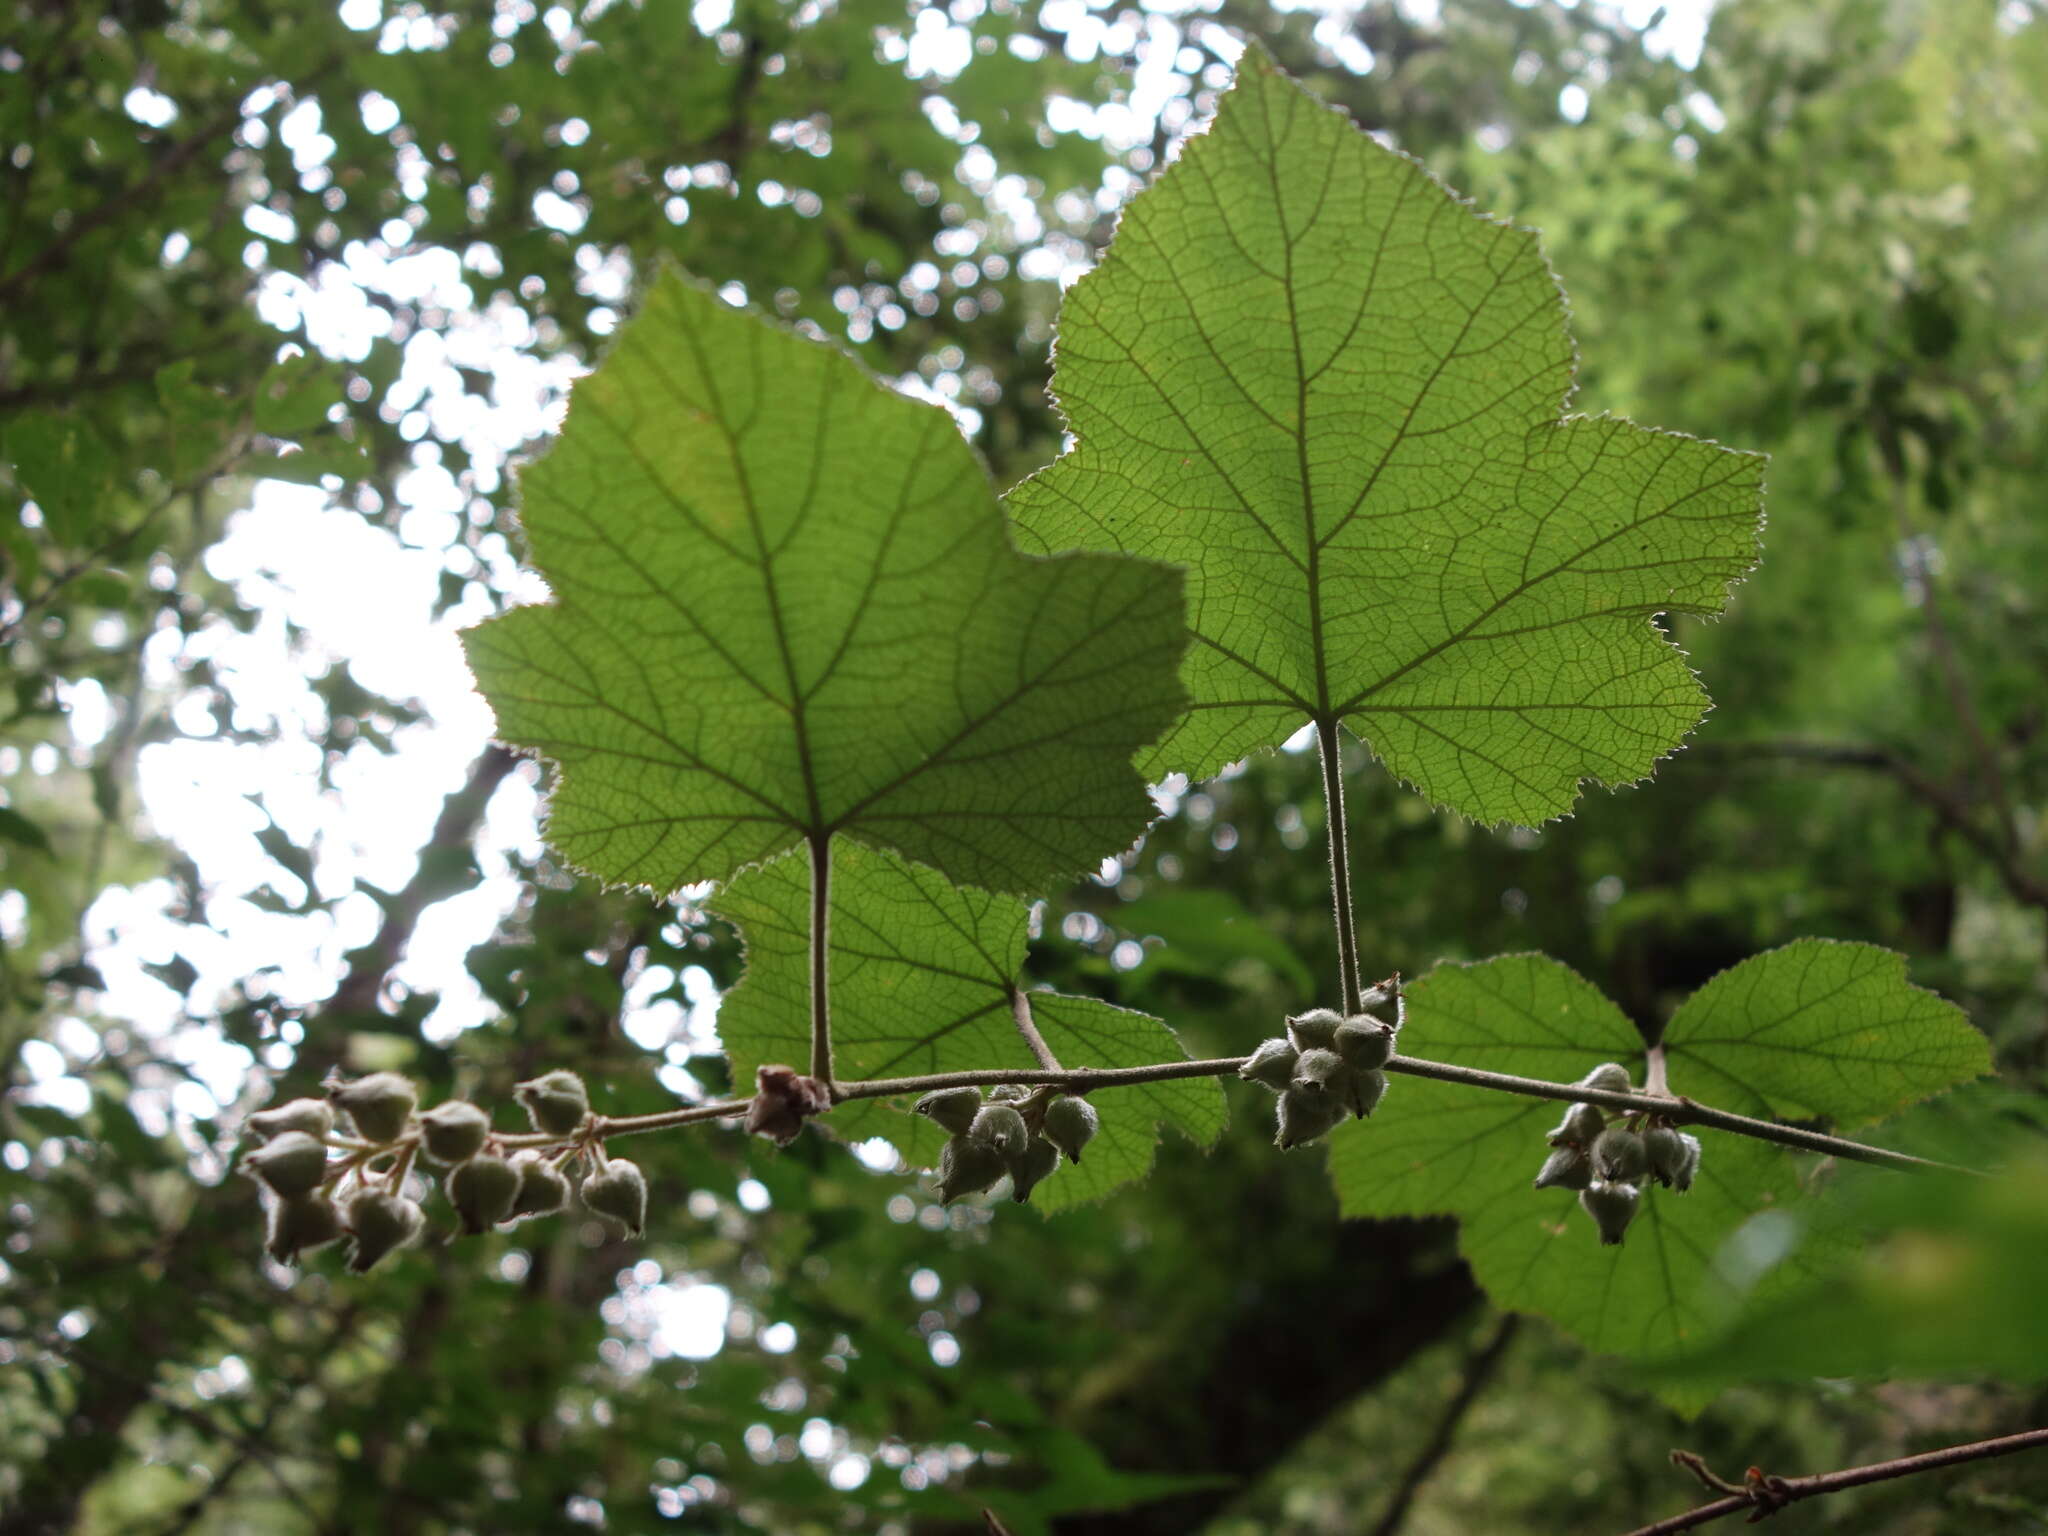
(312, 1117)
(1070, 1124)
(1581, 1125)
(619, 1190)
(1033, 1168)
(1609, 1076)
(378, 1104)
(1365, 1043)
(968, 1166)
(1612, 1207)
(1363, 1092)
(1271, 1065)
(482, 1191)
(556, 1102)
(1315, 1030)
(1567, 1167)
(291, 1163)
(543, 1189)
(1666, 1152)
(379, 1221)
(1305, 1116)
(299, 1225)
(951, 1109)
(453, 1132)
(1619, 1156)
(1001, 1127)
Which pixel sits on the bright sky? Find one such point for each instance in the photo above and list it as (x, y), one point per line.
(362, 598)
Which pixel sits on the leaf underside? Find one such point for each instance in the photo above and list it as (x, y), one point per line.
(922, 973)
(785, 605)
(1436, 1148)
(1332, 390)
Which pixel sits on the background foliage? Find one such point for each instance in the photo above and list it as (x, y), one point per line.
(1824, 241)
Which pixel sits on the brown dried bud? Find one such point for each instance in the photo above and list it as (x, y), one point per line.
(300, 1224)
(291, 1163)
(783, 1100)
(556, 1102)
(378, 1104)
(311, 1117)
(482, 1191)
(453, 1132)
(379, 1221)
(619, 1190)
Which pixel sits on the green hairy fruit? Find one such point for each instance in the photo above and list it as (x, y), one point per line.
(379, 1105)
(291, 1163)
(1567, 1167)
(542, 1188)
(1306, 1116)
(299, 1225)
(1580, 1127)
(1070, 1124)
(1319, 1071)
(1612, 1207)
(1315, 1030)
(1032, 1168)
(482, 1191)
(1608, 1077)
(1619, 1156)
(378, 1223)
(1365, 1043)
(1272, 1064)
(1363, 1092)
(951, 1109)
(556, 1102)
(453, 1132)
(619, 1190)
(311, 1117)
(968, 1166)
(1001, 1127)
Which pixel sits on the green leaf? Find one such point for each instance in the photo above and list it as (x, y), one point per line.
(18, 829)
(785, 605)
(1820, 1028)
(1205, 931)
(63, 467)
(1332, 390)
(922, 978)
(1445, 1148)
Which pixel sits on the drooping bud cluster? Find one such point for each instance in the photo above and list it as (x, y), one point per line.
(1021, 1132)
(1327, 1066)
(338, 1167)
(1609, 1164)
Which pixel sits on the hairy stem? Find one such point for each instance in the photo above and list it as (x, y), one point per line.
(1087, 1079)
(821, 949)
(1768, 1495)
(1020, 1011)
(1330, 749)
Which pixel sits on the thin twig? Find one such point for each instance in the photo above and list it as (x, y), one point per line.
(1330, 751)
(1763, 1495)
(1479, 1369)
(1020, 1011)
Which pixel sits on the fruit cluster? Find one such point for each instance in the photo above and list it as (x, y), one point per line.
(1609, 1164)
(1021, 1132)
(1327, 1066)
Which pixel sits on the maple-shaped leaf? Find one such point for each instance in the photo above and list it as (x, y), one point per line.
(927, 977)
(1332, 390)
(785, 606)
(1783, 1019)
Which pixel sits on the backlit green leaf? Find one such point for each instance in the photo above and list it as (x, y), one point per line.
(922, 978)
(1332, 390)
(784, 604)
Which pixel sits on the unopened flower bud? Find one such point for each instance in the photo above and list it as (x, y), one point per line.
(1567, 1167)
(1612, 1207)
(1609, 1076)
(1363, 1092)
(300, 1224)
(379, 1221)
(482, 1191)
(952, 1110)
(556, 1102)
(291, 1163)
(967, 1167)
(1365, 1043)
(1619, 1156)
(619, 1190)
(1033, 1168)
(1304, 1116)
(453, 1132)
(1317, 1071)
(1271, 1065)
(1315, 1030)
(1000, 1126)
(378, 1104)
(1580, 1127)
(542, 1190)
(1070, 1124)
(312, 1117)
